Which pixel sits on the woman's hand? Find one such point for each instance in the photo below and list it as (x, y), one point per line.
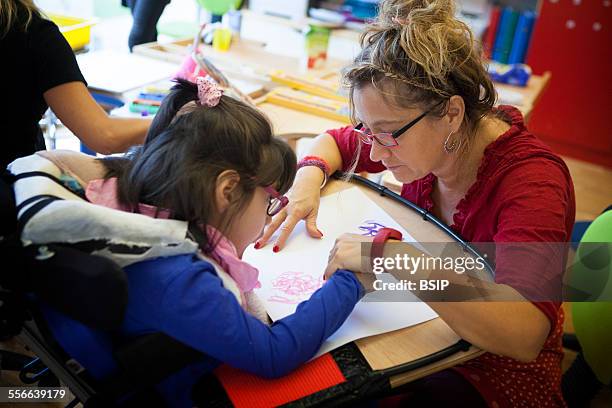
(347, 253)
(304, 199)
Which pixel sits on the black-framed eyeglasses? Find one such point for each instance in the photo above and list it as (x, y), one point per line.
(277, 201)
(388, 139)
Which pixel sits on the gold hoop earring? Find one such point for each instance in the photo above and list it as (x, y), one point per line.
(452, 147)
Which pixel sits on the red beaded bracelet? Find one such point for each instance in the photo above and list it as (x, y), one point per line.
(317, 162)
(382, 236)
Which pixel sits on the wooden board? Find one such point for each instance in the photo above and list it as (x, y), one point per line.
(287, 120)
(306, 102)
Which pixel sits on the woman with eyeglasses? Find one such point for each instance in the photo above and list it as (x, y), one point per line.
(424, 109)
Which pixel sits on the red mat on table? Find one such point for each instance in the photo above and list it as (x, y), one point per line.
(248, 390)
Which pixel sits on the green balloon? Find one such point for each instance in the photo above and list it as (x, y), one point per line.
(219, 7)
(593, 320)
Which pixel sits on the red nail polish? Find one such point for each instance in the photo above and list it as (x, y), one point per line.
(320, 232)
(276, 248)
(257, 245)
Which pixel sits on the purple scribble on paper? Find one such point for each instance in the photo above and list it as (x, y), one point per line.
(370, 228)
(294, 287)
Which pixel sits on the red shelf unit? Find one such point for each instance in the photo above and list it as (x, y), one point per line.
(574, 115)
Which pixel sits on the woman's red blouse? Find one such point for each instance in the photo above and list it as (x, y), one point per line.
(523, 193)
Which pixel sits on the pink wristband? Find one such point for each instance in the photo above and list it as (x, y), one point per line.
(317, 162)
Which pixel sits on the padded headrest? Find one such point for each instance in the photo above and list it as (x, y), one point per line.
(70, 220)
(123, 237)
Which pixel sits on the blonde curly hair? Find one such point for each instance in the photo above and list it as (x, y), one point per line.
(419, 54)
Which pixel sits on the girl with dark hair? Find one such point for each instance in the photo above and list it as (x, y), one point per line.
(212, 161)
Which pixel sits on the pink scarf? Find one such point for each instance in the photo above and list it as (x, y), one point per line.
(104, 192)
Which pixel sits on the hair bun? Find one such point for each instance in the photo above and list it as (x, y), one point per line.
(422, 49)
(425, 31)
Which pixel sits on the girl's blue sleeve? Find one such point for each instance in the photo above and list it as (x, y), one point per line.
(198, 311)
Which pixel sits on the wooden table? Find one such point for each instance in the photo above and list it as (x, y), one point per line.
(531, 93)
(391, 349)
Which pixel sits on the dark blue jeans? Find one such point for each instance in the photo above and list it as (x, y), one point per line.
(146, 14)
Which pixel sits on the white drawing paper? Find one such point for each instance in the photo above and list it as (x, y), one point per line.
(118, 72)
(295, 273)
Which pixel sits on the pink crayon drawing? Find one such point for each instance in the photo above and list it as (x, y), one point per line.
(294, 287)
(370, 228)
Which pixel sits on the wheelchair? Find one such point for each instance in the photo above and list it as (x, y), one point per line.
(89, 289)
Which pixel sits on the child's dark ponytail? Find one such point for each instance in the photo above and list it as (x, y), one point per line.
(186, 149)
(180, 94)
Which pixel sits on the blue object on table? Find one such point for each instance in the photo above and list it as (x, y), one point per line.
(87, 150)
(107, 102)
(152, 96)
(514, 74)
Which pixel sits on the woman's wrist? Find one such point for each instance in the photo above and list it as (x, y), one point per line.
(319, 164)
(310, 176)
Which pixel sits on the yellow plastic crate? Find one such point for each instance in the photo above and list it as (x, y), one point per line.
(77, 31)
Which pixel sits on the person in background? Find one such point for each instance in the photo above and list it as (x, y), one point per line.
(146, 14)
(41, 71)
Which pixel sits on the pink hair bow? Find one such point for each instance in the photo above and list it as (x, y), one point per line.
(209, 93)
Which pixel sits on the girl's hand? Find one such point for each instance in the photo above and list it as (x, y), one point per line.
(304, 199)
(347, 253)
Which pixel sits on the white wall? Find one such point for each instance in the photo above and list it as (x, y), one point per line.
(77, 8)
